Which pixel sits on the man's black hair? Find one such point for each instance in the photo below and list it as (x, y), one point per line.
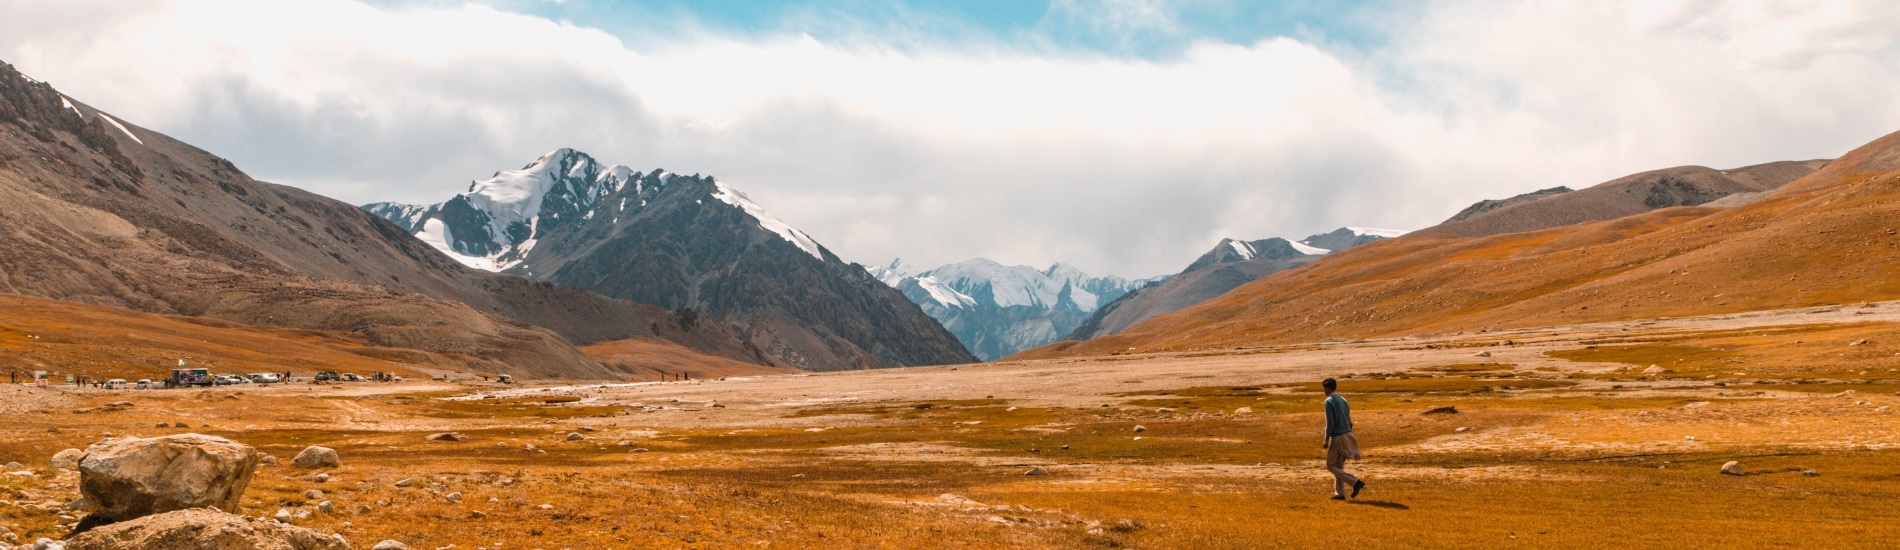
(1329, 384)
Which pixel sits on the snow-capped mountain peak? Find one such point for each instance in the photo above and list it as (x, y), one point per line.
(996, 309)
(890, 274)
(501, 219)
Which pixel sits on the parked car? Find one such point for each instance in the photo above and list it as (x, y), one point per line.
(263, 377)
(352, 377)
(144, 384)
(116, 383)
(328, 375)
(227, 379)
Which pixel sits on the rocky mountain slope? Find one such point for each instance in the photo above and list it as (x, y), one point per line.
(101, 211)
(997, 310)
(1228, 265)
(1625, 196)
(680, 241)
(1828, 237)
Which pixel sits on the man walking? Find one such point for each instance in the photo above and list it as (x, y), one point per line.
(1339, 443)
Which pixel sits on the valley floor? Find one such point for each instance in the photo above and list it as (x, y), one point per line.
(1559, 439)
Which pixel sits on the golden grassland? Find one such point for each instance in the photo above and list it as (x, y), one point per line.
(1568, 452)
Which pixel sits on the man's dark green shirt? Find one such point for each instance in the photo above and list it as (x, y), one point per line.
(1338, 416)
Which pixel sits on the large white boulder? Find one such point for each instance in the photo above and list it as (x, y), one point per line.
(201, 529)
(132, 477)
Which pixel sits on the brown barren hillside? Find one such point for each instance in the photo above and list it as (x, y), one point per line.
(1626, 196)
(1827, 238)
(106, 342)
(657, 359)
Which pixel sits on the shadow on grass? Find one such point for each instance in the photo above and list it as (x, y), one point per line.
(1380, 503)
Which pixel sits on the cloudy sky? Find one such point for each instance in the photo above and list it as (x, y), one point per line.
(1122, 136)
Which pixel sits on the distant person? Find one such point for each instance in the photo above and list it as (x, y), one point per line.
(1340, 445)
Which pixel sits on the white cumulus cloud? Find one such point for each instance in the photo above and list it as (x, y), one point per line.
(1021, 154)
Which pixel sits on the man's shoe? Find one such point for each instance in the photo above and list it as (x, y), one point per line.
(1358, 486)
(1339, 497)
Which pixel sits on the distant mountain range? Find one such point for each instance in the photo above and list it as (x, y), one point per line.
(1675, 242)
(680, 242)
(105, 212)
(1228, 265)
(997, 310)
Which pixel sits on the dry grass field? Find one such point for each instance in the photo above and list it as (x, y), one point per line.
(1559, 440)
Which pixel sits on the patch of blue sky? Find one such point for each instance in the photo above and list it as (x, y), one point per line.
(1151, 29)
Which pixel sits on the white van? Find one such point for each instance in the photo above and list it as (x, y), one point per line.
(116, 383)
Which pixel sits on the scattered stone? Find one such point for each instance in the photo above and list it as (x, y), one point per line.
(67, 459)
(1654, 370)
(15, 465)
(313, 494)
(133, 477)
(640, 450)
(326, 507)
(322, 478)
(546, 507)
(477, 514)
(301, 515)
(269, 460)
(282, 516)
(405, 482)
(1139, 429)
(1036, 471)
(1447, 409)
(389, 545)
(1732, 468)
(454, 497)
(448, 437)
(364, 509)
(1688, 438)
(164, 425)
(587, 428)
(575, 436)
(316, 457)
(1810, 473)
(1011, 409)
(1462, 429)
(1244, 410)
(1860, 342)
(1481, 354)
(1065, 447)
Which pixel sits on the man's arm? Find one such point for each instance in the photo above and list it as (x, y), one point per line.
(1326, 431)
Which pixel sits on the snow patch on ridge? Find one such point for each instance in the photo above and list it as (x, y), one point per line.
(1304, 249)
(67, 103)
(1372, 231)
(943, 294)
(436, 234)
(115, 124)
(798, 238)
(1241, 247)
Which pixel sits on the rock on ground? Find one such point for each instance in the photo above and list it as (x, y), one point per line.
(133, 477)
(390, 545)
(201, 528)
(67, 459)
(316, 457)
(1732, 468)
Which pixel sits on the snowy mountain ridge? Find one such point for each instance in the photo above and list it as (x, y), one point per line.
(996, 309)
(498, 221)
